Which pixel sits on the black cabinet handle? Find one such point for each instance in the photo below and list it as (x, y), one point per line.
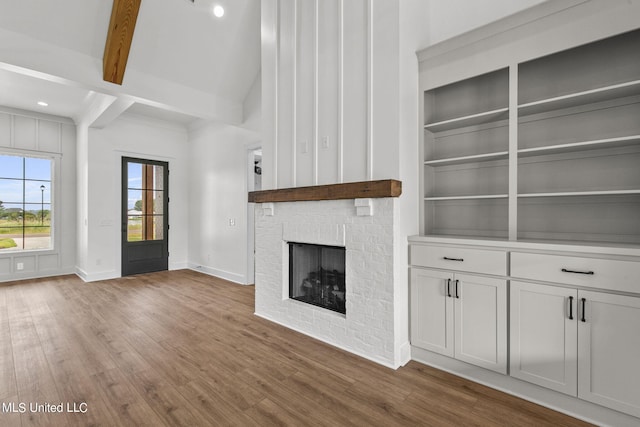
(457, 295)
(591, 273)
(570, 308)
(453, 259)
(449, 288)
(584, 303)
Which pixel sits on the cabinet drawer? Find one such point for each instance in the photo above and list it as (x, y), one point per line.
(608, 274)
(460, 259)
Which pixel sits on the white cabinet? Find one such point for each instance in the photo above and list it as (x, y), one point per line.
(578, 342)
(461, 316)
(609, 351)
(543, 335)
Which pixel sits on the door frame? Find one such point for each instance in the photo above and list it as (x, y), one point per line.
(251, 230)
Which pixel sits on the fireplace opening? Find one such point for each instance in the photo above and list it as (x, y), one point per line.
(317, 275)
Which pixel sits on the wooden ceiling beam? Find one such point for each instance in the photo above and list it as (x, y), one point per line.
(116, 50)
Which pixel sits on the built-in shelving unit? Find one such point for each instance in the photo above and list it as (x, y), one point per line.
(466, 156)
(530, 188)
(556, 156)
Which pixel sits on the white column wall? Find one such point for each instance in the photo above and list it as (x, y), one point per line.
(330, 91)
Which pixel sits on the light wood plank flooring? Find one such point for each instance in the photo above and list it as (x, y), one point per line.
(184, 349)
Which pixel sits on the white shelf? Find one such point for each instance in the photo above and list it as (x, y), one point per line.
(580, 98)
(478, 197)
(582, 145)
(473, 119)
(580, 193)
(501, 155)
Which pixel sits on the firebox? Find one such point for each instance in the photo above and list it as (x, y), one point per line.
(317, 275)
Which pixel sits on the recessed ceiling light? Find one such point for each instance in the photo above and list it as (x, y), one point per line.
(43, 104)
(218, 11)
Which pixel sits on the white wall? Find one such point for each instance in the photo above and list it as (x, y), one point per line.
(449, 18)
(23, 132)
(252, 107)
(132, 137)
(218, 194)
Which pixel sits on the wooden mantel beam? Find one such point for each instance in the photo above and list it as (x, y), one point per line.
(350, 190)
(116, 50)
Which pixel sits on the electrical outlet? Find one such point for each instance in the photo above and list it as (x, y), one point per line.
(20, 266)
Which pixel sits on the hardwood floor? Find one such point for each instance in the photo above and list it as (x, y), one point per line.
(184, 349)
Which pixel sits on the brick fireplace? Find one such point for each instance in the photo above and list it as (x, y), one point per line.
(364, 228)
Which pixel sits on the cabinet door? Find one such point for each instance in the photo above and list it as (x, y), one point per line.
(609, 351)
(431, 311)
(544, 336)
(481, 321)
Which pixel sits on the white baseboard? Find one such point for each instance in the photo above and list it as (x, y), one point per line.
(404, 353)
(178, 265)
(560, 402)
(94, 277)
(36, 275)
(227, 275)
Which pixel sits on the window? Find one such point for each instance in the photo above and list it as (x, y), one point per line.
(25, 203)
(145, 207)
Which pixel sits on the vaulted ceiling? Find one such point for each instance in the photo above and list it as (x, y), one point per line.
(178, 45)
(184, 66)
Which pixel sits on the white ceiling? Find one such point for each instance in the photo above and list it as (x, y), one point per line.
(23, 92)
(174, 40)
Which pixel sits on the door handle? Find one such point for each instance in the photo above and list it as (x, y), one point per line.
(449, 288)
(457, 294)
(570, 308)
(584, 304)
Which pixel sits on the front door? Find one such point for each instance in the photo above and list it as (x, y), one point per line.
(145, 208)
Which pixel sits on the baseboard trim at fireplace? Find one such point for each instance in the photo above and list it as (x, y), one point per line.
(385, 363)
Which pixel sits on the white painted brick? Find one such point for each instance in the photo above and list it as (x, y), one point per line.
(368, 327)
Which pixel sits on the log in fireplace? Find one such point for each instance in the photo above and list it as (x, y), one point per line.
(317, 275)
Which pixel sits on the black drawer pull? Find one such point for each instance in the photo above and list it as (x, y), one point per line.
(591, 273)
(449, 288)
(570, 308)
(453, 259)
(584, 303)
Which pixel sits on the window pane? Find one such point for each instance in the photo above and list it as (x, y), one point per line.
(158, 178)
(11, 167)
(10, 191)
(37, 192)
(38, 239)
(134, 175)
(158, 227)
(158, 202)
(11, 215)
(36, 214)
(37, 169)
(134, 228)
(134, 202)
